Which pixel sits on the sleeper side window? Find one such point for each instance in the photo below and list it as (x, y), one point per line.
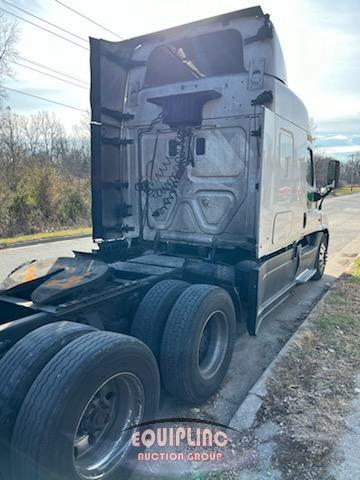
(310, 176)
(286, 153)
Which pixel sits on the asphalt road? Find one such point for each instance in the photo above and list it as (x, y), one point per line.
(10, 258)
(252, 354)
(344, 220)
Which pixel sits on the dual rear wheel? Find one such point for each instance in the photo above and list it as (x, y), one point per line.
(191, 330)
(69, 415)
(70, 394)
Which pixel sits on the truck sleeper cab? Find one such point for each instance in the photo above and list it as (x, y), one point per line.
(205, 213)
(210, 155)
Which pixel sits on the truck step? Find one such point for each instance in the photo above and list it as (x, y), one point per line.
(305, 276)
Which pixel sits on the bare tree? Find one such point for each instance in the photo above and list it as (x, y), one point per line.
(76, 161)
(44, 174)
(12, 146)
(31, 134)
(350, 171)
(82, 128)
(51, 135)
(8, 38)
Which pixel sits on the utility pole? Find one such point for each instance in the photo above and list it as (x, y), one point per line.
(352, 172)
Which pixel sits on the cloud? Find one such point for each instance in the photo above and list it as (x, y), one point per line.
(338, 148)
(336, 141)
(347, 126)
(338, 137)
(341, 153)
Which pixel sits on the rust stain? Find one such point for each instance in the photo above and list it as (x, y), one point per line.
(29, 274)
(64, 283)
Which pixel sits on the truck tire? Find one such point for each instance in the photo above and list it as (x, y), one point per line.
(75, 422)
(149, 321)
(19, 368)
(198, 343)
(321, 259)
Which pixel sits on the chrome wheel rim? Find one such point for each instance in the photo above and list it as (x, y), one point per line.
(101, 439)
(213, 343)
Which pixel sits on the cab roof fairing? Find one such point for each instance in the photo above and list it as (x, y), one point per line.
(179, 30)
(247, 22)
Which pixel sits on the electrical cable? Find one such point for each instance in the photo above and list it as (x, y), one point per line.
(44, 99)
(181, 161)
(52, 69)
(43, 28)
(45, 21)
(153, 186)
(50, 75)
(89, 19)
(148, 129)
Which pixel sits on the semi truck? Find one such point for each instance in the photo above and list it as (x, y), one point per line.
(205, 214)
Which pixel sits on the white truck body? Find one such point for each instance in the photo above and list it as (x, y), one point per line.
(201, 150)
(240, 190)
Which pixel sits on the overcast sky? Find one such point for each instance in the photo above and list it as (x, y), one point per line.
(320, 40)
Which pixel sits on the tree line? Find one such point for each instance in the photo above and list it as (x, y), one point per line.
(349, 170)
(44, 174)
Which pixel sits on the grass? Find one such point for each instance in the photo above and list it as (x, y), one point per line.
(311, 390)
(347, 190)
(5, 242)
(355, 278)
